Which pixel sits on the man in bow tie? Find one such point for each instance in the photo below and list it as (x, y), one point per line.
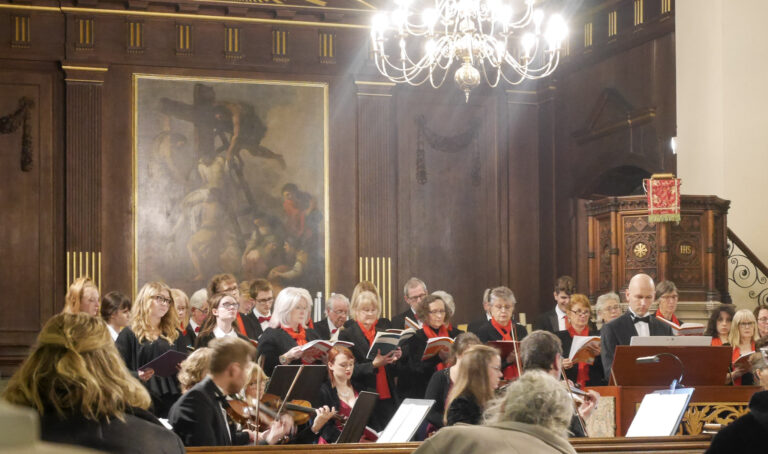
(261, 292)
(337, 312)
(636, 321)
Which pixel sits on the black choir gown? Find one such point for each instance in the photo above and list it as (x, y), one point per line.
(275, 342)
(438, 388)
(413, 373)
(163, 390)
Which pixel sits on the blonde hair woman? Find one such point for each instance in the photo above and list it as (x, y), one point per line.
(181, 305)
(477, 380)
(153, 331)
(83, 296)
(75, 379)
(742, 338)
(195, 368)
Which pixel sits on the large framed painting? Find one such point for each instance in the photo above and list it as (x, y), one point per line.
(230, 176)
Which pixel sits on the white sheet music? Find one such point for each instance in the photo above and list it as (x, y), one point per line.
(671, 341)
(406, 421)
(659, 415)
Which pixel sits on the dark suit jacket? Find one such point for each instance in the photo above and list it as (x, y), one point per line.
(252, 326)
(322, 329)
(595, 369)
(140, 433)
(475, 325)
(274, 342)
(547, 321)
(619, 332)
(398, 321)
(196, 418)
(413, 374)
(191, 335)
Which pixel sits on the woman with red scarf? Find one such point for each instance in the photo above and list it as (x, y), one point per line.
(577, 324)
(281, 342)
(375, 375)
(667, 297)
(499, 327)
(413, 373)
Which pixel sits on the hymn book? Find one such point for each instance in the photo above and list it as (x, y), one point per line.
(321, 346)
(435, 345)
(743, 362)
(386, 341)
(506, 348)
(686, 329)
(580, 349)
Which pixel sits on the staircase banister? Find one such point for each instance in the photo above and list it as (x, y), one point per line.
(747, 252)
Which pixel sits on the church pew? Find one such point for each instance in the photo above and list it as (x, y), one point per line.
(677, 444)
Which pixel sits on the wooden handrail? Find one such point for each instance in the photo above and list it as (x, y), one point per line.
(748, 252)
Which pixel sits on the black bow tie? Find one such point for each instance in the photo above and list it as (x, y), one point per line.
(646, 319)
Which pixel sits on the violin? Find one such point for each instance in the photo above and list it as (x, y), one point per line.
(299, 410)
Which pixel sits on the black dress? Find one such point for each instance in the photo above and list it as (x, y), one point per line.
(275, 342)
(163, 390)
(140, 433)
(596, 377)
(413, 373)
(364, 374)
(438, 388)
(464, 409)
(205, 339)
(488, 333)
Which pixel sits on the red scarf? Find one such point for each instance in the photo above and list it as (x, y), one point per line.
(299, 336)
(734, 357)
(442, 332)
(310, 324)
(673, 319)
(382, 386)
(583, 374)
(241, 325)
(510, 371)
(716, 342)
(183, 330)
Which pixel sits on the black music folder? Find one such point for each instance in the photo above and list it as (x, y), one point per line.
(307, 386)
(167, 364)
(358, 417)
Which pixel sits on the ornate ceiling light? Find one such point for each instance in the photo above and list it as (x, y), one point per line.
(421, 42)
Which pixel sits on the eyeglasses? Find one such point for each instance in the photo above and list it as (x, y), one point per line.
(340, 312)
(230, 305)
(670, 297)
(580, 313)
(615, 307)
(416, 297)
(745, 324)
(204, 311)
(437, 312)
(503, 307)
(265, 300)
(763, 319)
(160, 299)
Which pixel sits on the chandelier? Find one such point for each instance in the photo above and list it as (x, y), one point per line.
(487, 39)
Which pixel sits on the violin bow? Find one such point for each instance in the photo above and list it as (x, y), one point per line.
(290, 390)
(514, 346)
(573, 398)
(258, 386)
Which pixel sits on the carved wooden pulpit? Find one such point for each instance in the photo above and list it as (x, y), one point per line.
(692, 254)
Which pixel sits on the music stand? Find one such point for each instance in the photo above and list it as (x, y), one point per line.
(307, 386)
(406, 421)
(660, 413)
(358, 417)
(704, 366)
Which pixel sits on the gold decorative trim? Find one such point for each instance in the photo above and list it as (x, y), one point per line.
(319, 7)
(256, 20)
(326, 158)
(700, 413)
(31, 8)
(379, 271)
(84, 263)
(373, 94)
(85, 68)
(383, 84)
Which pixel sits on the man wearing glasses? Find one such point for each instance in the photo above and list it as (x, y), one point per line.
(414, 291)
(198, 304)
(261, 292)
(336, 313)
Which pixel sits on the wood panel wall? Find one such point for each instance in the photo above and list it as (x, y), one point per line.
(496, 206)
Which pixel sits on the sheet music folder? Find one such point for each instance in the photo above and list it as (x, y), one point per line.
(406, 421)
(660, 413)
(307, 386)
(358, 417)
(704, 366)
(167, 364)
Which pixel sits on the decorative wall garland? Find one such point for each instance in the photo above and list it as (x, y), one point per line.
(447, 144)
(10, 123)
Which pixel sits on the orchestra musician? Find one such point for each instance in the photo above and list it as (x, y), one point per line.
(441, 382)
(582, 374)
(82, 296)
(414, 374)
(75, 380)
(153, 331)
(719, 325)
(221, 323)
(476, 383)
(337, 393)
(375, 375)
(499, 327)
(281, 342)
(742, 337)
(199, 417)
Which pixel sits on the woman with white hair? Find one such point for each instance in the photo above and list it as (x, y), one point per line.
(607, 307)
(281, 342)
(533, 415)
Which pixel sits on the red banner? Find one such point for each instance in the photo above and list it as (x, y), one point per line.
(663, 199)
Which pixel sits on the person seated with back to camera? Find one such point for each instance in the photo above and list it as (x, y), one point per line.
(74, 378)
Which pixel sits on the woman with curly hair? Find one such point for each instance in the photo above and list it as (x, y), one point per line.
(153, 331)
(75, 380)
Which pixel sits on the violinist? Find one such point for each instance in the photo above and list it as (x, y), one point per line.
(281, 342)
(542, 350)
(414, 373)
(200, 418)
(375, 375)
(499, 327)
(338, 392)
(221, 324)
(476, 383)
(578, 311)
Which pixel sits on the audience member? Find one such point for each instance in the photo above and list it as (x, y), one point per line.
(116, 312)
(746, 435)
(75, 380)
(554, 319)
(83, 296)
(531, 417)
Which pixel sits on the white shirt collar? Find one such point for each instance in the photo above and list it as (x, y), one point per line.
(112, 332)
(331, 326)
(560, 313)
(218, 332)
(259, 314)
(193, 324)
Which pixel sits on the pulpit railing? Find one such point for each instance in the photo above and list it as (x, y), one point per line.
(746, 270)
